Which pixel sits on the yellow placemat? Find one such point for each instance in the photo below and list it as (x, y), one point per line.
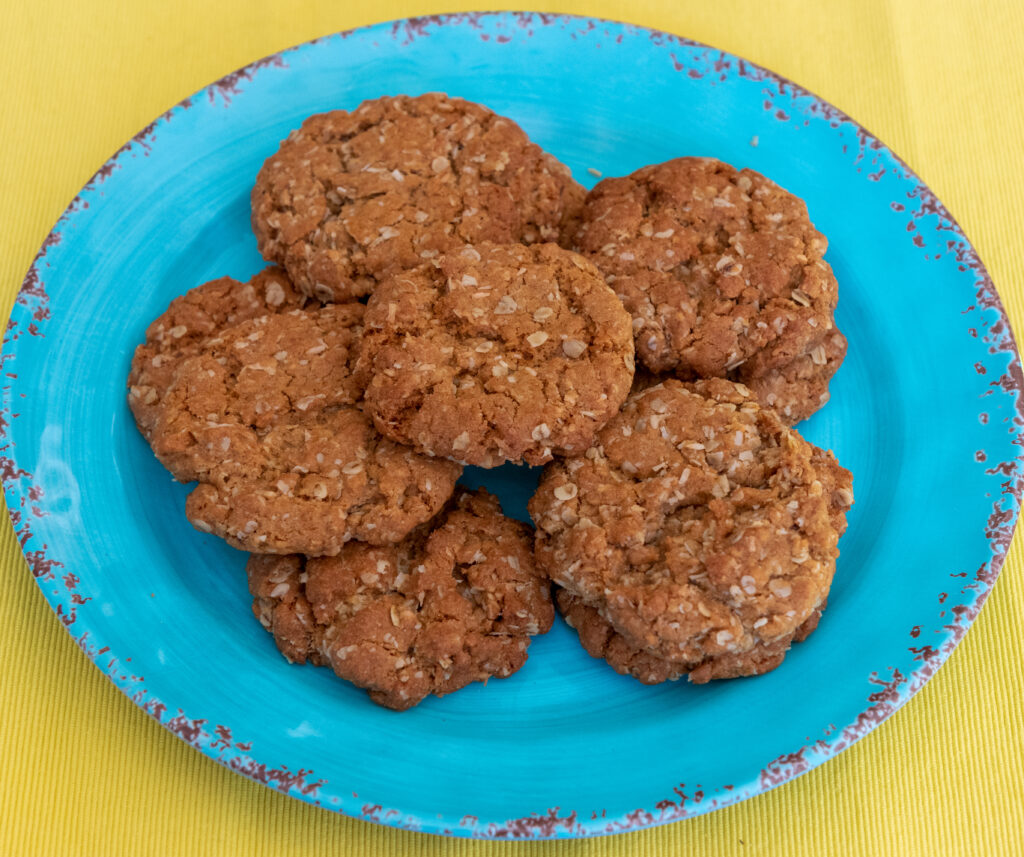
(83, 772)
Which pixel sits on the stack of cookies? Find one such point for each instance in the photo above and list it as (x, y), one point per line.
(724, 277)
(448, 295)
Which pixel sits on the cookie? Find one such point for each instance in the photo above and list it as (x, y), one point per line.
(800, 387)
(267, 419)
(601, 640)
(351, 197)
(722, 272)
(189, 321)
(699, 526)
(455, 602)
(496, 353)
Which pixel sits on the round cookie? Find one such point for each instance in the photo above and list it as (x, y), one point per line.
(353, 196)
(496, 353)
(699, 526)
(601, 640)
(455, 602)
(266, 418)
(189, 321)
(721, 270)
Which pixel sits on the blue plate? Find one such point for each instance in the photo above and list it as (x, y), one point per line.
(926, 412)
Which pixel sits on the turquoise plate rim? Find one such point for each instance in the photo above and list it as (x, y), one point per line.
(27, 503)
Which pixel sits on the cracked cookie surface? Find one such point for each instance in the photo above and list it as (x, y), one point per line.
(191, 319)
(351, 197)
(496, 353)
(455, 602)
(267, 418)
(723, 274)
(698, 526)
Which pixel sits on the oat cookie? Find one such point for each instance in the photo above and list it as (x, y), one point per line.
(723, 274)
(455, 602)
(266, 417)
(698, 526)
(800, 387)
(353, 196)
(189, 321)
(601, 640)
(496, 353)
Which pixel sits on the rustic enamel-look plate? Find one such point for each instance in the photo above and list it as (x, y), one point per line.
(926, 412)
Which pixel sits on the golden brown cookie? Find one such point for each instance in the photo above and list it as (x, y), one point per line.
(455, 602)
(723, 274)
(496, 353)
(698, 526)
(189, 321)
(267, 418)
(353, 196)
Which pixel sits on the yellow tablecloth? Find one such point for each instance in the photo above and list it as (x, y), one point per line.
(84, 772)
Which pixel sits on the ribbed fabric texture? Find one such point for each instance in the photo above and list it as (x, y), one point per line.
(83, 772)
